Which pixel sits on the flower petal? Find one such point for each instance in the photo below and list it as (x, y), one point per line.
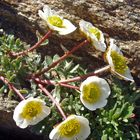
(42, 15)
(85, 129)
(126, 76)
(23, 124)
(18, 111)
(47, 11)
(68, 27)
(99, 44)
(54, 134)
(92, 107)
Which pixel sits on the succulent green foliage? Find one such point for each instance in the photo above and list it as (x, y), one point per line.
(113, 122)
(116, 118)
(17, 69)
(13, 69)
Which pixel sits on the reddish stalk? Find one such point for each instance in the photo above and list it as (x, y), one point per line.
(86, 75)
(64, 82)
(44, 82)
(12, 87)
(25, 52)
(53, 100)
(50, 82)
(67, 54)
(69, 86)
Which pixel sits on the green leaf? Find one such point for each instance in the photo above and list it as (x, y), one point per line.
(2, 89)
(23, 91)
(10, 93)
(56, 93)
(48, 60)
(104, 137)
(46, 42)
(74, 69)
(68, 65)
(117, 113)
(112, 111)
(127, 111)
(18, 42)
(55, 57)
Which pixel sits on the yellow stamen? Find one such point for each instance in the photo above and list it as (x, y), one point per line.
(119, 62)
(95, 31)
(55, 21)
(32, 109)
(70, 128)
(91, 93)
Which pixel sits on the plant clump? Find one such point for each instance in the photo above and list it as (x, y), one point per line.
(60, 98)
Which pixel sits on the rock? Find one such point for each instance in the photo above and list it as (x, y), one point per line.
(115, 18)
(10, 133)
(6, 108)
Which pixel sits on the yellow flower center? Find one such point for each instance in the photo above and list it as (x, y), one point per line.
(119, 62)
(91, 93)
(70, 128)
(55, 21)
(95, 31)
(32, 109)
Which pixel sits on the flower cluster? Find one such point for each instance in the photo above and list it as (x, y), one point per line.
(94, 91)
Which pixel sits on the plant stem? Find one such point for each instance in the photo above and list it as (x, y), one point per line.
(68, 85)
(44, 82)
(53, 100)
(67, 54)
(85, 76)
(50, 82)
(64, 82)
(33, 47)
(12, 87)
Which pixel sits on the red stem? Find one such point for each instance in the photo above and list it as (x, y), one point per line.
(44, 82)
(33, 47)
(69, 86)
(86, 75)
(12, 87)
(64, 82)
(50, 82)
(53, 100)
(67, 54)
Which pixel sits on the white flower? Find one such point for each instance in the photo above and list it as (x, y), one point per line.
(118, 62)
(94, 35)
(30, 112)
(73, 128)
(55, 22)
(94, 91)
